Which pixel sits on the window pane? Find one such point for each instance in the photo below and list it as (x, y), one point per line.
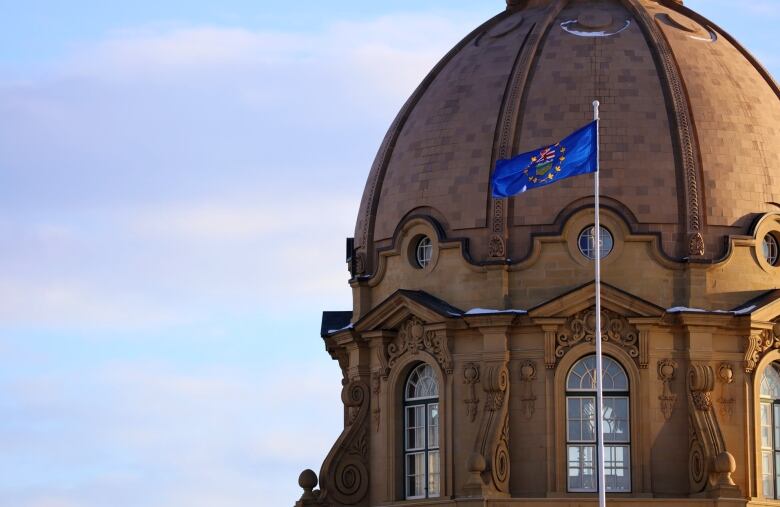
(574, 424)
(766, 426)
(582, 376)
(415, 475)
(767, 474)
(581, 476)
(617, 468)
(615, 418)
(415, 427)
(776, 476)
(776, 424)
(422, 383)
(434, 474)
(433, 426)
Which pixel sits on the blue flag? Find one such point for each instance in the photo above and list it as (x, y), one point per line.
(575, 155)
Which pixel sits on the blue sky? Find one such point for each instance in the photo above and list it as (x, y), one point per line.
(176, 182)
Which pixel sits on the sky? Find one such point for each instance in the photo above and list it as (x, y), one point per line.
(176, 182)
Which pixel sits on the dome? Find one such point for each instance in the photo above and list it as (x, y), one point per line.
(690, 131)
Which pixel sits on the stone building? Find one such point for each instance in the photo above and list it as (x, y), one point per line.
(468, 355)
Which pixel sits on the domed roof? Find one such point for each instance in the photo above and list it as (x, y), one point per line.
(690, 131)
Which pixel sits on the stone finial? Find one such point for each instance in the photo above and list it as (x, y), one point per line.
(308, 481)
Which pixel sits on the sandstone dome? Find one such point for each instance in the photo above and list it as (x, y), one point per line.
(690, 132)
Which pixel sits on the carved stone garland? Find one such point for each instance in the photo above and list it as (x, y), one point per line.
(581, 328)
(376, 388)
(471, 378)
(413, 338)
(726, 400)
(666, 371)
(527, 396)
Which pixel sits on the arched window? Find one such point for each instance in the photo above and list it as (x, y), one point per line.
(422, 476)
(770, 431)
(581, 426)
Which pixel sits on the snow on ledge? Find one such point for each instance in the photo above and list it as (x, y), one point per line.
(485, 311)
(684, 309)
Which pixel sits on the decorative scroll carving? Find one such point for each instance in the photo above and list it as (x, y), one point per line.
(710, 465)
(496, 247)
(582, 328)
(471, 378)
(527, 397)
(376, 387)
(726, 400)
(666, 371)
(683, 122)
(759, 343)
(413, 338)
(344, 473)
(490, 459)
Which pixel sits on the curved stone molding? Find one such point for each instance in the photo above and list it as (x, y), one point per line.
(471, 378)
(666, 371)
(413, 339)
(759, 343)
(344, 474)
(582, 328)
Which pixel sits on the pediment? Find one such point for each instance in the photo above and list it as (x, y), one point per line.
(584, 297)
(403, 304)
(765, 308)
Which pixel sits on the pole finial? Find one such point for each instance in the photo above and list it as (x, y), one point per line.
(596, 105)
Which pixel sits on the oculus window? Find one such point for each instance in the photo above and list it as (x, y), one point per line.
(424, 252)
(588, 245)
(770, 249)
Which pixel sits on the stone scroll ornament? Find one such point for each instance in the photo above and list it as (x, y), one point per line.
(344, 474)
(726, 400)
(759, 343)
(710, 465)
(581, 328)
(488, 466)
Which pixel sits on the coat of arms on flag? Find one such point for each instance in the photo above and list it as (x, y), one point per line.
(572, 156)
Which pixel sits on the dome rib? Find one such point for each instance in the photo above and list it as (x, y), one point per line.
(508, 123)
(688, 157)
(369, 202)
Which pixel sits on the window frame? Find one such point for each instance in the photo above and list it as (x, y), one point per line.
(773, 447)
(582, 444)
(428, 448)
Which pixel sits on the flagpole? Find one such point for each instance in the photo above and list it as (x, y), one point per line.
(599, 380)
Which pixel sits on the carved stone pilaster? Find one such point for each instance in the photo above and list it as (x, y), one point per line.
(471, 378)
(376, 389)
(527, 397)
(666, 372)
(550, 337)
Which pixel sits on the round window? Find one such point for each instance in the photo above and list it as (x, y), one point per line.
(588, 245)
(424, 252)
(770, 248)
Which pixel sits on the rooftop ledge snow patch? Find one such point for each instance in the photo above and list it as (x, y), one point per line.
(683, 309)
(485, 311)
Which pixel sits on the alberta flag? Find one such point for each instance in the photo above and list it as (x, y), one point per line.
(575, 155)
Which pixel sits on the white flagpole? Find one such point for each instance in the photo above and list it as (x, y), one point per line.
(599, 380)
